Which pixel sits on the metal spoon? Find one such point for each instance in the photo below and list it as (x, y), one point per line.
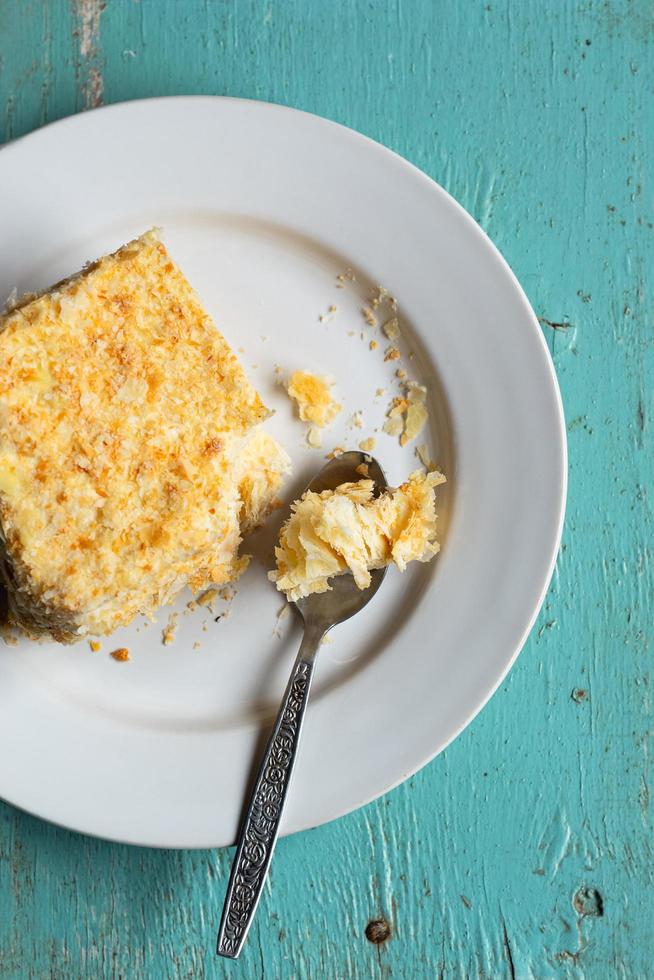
(260, 826)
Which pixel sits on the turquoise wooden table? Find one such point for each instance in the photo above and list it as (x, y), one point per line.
(525, 850)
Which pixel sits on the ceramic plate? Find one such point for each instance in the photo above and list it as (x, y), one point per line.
(263, 207)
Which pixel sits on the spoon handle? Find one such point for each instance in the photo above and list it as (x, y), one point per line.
(258, 833)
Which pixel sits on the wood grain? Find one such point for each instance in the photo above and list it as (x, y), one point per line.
(525, 850)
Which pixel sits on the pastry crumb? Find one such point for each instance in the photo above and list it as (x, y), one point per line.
(170, 629)
(391, 328)
(368, 316)
(362, 469)
(208, 598)
(121, 654)
(380, 393)
(392, 354)
(329, 315)
(394, 424)
(95, 646)
(367, 445)
(197, 645)
(335, 453)
(314, 437)
(356, 420)
(314, 400)
(422, 452)
(407, 416)
(416, 415)
(373, 345)
(378, 298)
(401, 374)
(347, 276)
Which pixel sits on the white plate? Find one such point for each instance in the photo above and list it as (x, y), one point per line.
(262, 206)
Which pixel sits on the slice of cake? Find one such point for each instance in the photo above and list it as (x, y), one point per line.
(350, 530)
(125, 422)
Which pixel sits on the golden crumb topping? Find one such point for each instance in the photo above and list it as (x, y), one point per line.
(350, 530)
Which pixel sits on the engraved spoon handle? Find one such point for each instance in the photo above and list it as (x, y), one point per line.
(258, 833)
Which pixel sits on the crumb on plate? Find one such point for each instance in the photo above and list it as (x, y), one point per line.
(314, 437)
(169, 630)
(313, 397)
(378, 298)
(329, 315)
(208, 598)
(347, 276)
(422, 452)
(391, 328)
(416, 415)
(406, 416)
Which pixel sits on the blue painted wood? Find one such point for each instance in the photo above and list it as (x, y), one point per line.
(526, 849)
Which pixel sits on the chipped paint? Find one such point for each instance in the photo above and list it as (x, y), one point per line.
(87, 34)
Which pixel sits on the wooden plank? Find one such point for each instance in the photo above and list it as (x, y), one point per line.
(526, 849)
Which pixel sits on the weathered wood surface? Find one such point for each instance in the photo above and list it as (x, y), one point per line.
(525, 850)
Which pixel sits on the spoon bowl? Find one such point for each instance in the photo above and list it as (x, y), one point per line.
(344, 599)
